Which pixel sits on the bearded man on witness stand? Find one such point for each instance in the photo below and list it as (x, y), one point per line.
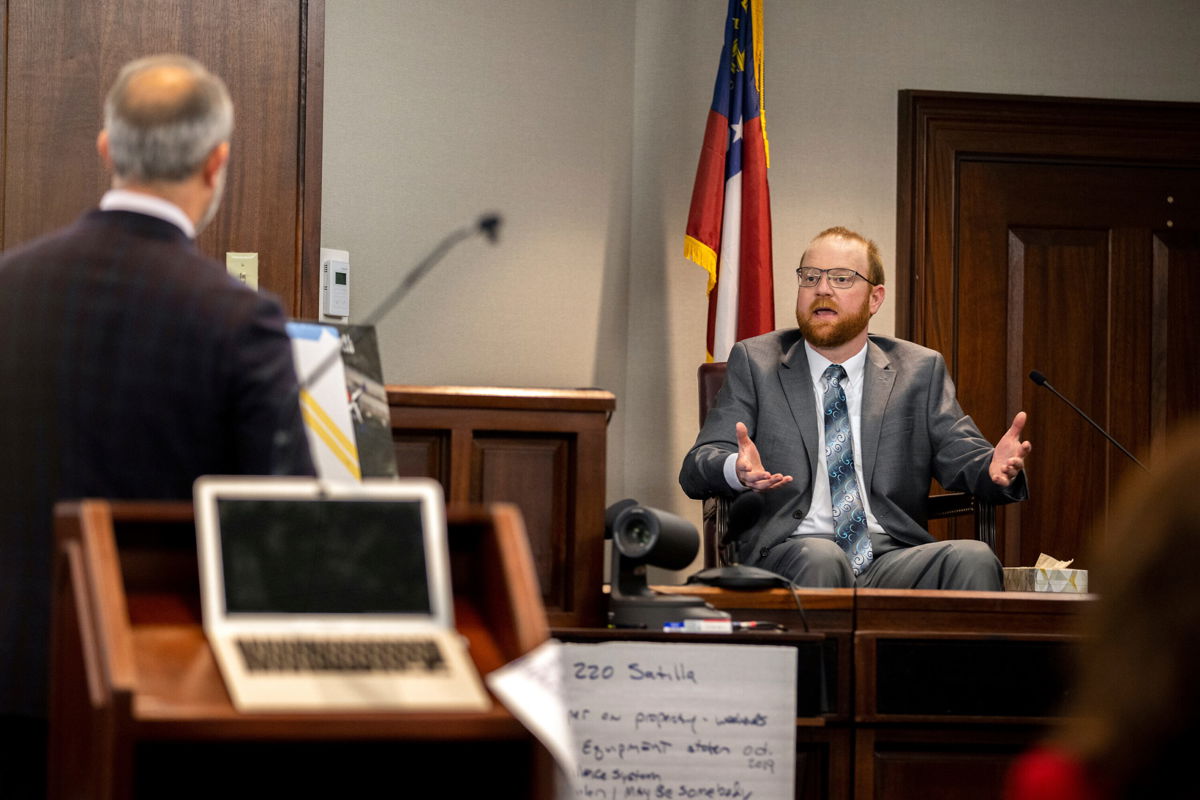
(842, 432)
(130, 364)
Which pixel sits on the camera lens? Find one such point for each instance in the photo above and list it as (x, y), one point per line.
(635, 533)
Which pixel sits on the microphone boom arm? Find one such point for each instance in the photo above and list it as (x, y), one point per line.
(1040, 380)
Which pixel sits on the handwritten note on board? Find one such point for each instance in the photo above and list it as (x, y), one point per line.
(651, 720)
(657, 720)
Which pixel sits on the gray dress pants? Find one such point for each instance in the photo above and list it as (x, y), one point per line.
(817, 561)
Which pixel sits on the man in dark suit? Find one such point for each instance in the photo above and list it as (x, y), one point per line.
(130, 363)
(842, 431)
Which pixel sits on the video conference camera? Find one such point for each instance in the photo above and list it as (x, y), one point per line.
(643, 536)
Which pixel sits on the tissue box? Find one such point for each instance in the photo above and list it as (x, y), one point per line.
(1033, 579)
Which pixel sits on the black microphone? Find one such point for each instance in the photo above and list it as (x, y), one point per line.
(1040, 380)
(743, 513)
(490, 225)
(487, 225)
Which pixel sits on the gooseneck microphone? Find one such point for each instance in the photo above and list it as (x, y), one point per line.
(1040, 380)
(488, 225)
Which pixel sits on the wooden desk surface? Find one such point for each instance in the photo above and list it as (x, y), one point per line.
(501, 397)
(181, 693)
(782, 599)
(1029, 613)
(895, 610)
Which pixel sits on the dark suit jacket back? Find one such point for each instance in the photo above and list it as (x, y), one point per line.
(130, 364)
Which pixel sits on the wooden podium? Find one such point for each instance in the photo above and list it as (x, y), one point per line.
(138, 707)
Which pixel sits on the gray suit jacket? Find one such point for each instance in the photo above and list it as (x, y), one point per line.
(912, 429)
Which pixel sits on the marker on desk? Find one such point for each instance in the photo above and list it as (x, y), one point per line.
(757, 625)
(699, 626)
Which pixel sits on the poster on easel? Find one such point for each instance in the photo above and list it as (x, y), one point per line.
(660, 720)
(324, 401)
(367, 395)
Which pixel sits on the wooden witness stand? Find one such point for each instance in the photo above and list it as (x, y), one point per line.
(929, 693)
(138, 706)
(543, 449)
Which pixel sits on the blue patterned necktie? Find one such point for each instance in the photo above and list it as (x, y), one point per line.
(849, 518)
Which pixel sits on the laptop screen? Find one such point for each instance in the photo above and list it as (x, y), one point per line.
(323, 556)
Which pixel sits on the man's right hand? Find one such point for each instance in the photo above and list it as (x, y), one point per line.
(749, 465)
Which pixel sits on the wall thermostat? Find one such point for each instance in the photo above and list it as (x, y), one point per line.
(335, 283)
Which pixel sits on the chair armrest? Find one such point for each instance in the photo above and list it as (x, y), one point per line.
(717, 552)
(955, 504)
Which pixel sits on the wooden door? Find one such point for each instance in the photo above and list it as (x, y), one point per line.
(61, 56)
(1079, 266)
(1061, 236)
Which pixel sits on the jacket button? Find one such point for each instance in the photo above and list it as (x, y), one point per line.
(797, 515)
(763, 553)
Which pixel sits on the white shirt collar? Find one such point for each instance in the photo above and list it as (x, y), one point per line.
(854, 365)
(151, 206)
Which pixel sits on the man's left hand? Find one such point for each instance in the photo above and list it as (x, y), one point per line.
(1008, 459)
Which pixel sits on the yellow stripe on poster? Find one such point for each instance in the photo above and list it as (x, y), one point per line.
(328, 432)
(328, 422)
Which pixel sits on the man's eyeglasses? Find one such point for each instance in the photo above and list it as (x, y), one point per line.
(839, 277)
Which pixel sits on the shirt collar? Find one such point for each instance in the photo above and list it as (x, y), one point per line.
(854, 365)
(151, 206)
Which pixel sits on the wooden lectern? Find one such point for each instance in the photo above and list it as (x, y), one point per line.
(138, 707)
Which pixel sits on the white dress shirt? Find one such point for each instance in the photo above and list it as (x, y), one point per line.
(151, 206)
(819, 521)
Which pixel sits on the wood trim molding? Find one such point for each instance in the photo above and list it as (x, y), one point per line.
(3, 114)
(495, 397)
(305, 303)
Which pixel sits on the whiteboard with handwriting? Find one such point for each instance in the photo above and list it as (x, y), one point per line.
(665, 720)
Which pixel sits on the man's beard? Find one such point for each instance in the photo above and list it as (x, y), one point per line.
(821, 333)
(214, 203)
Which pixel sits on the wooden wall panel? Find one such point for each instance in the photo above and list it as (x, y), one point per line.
(422, 454)
(534, 473)
(543, 449)
(63, 55)
(1176, 381)
(823, 764)
(903, 766)
(1062, 278)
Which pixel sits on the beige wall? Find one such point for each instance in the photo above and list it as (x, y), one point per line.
(581, 120)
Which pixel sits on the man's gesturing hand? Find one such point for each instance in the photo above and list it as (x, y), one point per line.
(1009, 457)
(749, 465)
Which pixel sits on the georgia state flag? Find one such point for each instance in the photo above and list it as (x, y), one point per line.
(731, 206)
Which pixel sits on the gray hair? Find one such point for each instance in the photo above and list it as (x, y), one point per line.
(163, 131)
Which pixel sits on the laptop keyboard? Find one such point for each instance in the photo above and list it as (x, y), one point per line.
(341, 655)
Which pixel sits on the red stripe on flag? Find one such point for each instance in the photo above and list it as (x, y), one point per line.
(756, 296)
(708, 193)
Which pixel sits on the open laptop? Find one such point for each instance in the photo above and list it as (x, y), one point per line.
(321, 596)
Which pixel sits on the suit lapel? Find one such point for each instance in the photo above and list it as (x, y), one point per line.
(878, 378)
(797, 385)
